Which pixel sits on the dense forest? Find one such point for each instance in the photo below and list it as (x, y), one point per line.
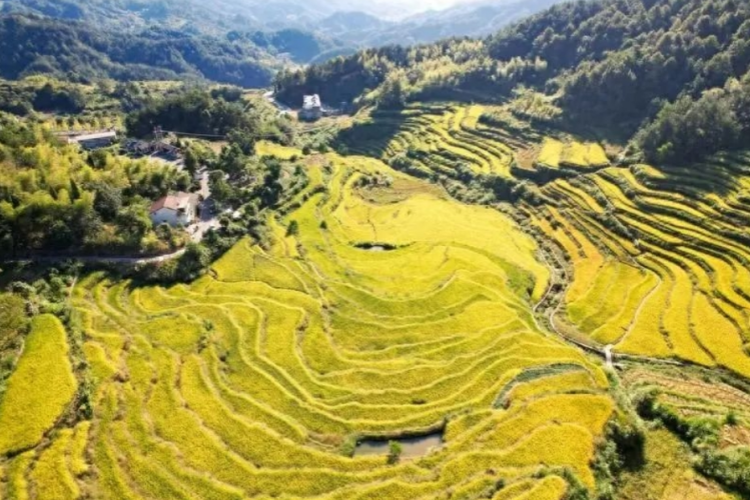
(79, 52)
(221, 112)
(610, 64)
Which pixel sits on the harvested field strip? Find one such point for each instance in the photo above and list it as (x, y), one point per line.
(581, 197)
(618, 247)
(587, 259)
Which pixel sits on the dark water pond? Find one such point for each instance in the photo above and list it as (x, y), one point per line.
(412, 446)
(376, 247)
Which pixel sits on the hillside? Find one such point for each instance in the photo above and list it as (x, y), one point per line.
(191, 15)
(517, 271)
(78, 51)
(473, 19)
(286, 355)
(225, 15)
(608, 65)
(306, 31)
(380, 306)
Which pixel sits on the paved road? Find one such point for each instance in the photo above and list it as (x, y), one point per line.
(283, 108)
(209, 218)
(608, 355)
(104, 260)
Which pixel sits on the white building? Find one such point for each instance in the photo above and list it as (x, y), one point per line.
(179, 209)
(94, 140)
(312, 108)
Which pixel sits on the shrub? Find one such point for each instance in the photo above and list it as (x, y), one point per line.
(729, 467)
(394, 452)
(731, 418)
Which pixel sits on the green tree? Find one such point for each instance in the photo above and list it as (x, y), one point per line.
(394, 452)
(134, 221)
(293, 229)
(192, 162)
(194, 261)
(12, 317)
(108, 200)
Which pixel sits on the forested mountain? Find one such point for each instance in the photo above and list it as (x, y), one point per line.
(216, 16)
(327, 29)
(471, 19)
(95, 38)
(80, 52)
(612, 64)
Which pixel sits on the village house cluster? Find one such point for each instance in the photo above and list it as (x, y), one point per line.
(176, 209)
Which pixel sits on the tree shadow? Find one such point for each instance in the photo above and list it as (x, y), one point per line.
(719, 174)
(370, 137)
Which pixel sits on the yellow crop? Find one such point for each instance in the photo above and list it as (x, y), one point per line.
(39, 389)
(252, 380)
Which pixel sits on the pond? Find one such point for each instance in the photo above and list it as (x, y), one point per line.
(376, 247)
(416, 446)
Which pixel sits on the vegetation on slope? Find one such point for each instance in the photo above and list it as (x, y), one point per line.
(82, 52)
(221, 113)
(56, 198)
(13, 322)
(610, 65)
(710, 418)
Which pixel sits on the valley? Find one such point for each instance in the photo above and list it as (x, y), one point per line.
(260, 378)
(513, 267)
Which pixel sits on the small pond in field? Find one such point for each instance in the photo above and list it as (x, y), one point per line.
(412, 447)
(376, 247)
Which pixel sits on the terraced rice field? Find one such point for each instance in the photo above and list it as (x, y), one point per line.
(40, 389)
(396, 311)
(555, 154)
(658, 259)
(693, 397)
(257, 379)
(441, 139)
(444, 138)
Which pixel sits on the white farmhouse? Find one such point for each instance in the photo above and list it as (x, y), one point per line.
(179, 209)
(312, 108)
